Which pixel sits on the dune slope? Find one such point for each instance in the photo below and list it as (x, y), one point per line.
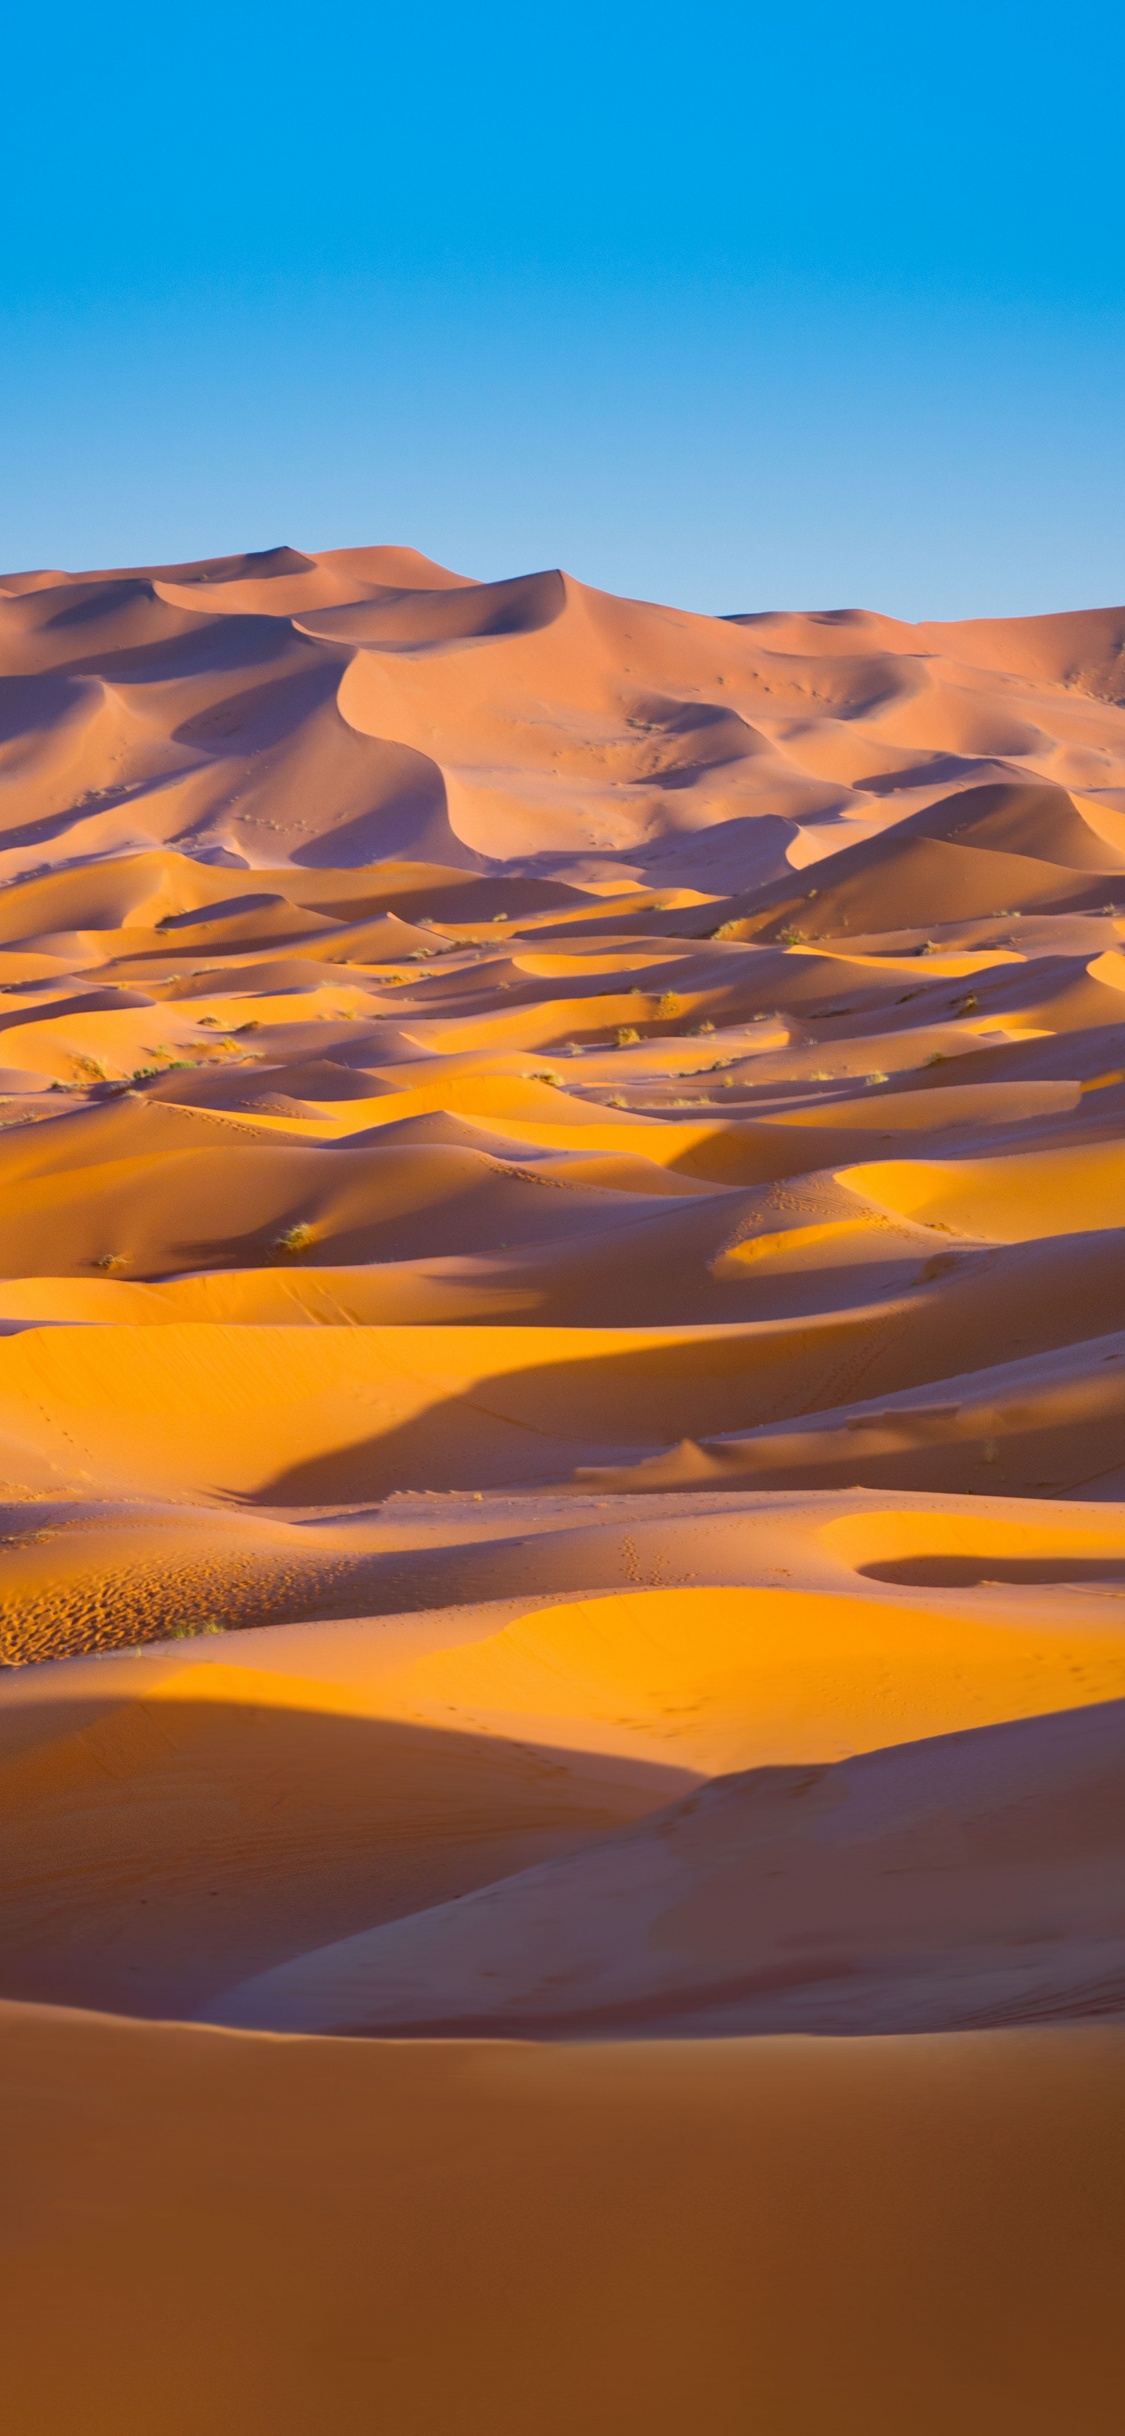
(862, 2233)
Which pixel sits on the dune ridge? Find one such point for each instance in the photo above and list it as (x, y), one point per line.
(562, 1503)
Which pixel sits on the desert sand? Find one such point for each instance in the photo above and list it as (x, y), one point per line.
(562, 1456)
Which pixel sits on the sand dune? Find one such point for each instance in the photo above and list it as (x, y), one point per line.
(865, 2232)
(950, 1884)
(560, 1176)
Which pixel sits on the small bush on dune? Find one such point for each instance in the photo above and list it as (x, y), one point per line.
(296, 1238)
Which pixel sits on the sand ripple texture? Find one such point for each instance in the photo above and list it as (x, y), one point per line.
(562, 1431)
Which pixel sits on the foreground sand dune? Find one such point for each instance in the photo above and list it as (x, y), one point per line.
(561, 1174)
(259, 2235)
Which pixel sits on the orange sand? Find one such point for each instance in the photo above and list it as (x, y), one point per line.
(560, 1174)
(258, 2237)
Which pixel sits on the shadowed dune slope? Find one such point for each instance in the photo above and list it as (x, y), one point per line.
(920, 1888)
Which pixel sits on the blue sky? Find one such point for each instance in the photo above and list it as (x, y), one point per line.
(736, 306)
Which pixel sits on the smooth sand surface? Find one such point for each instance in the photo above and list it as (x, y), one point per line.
(562, 1508)
(259, 2236)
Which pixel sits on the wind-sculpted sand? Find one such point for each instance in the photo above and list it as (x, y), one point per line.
(562, 1464)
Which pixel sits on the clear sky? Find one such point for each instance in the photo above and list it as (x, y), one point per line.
(738, 306)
